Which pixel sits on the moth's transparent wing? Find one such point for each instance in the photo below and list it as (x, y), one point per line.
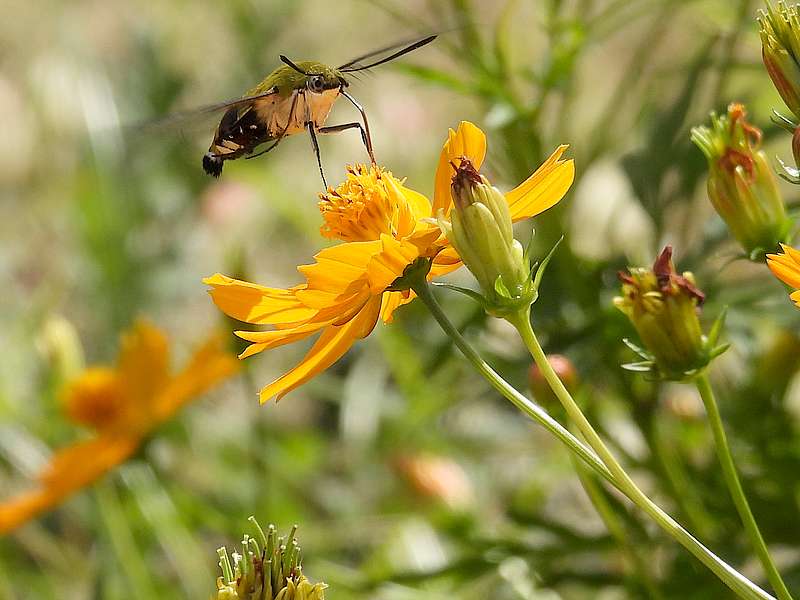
(198, 115)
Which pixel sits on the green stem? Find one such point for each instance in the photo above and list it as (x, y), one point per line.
(735, 487)
(616, 528)
(730, 576)
(530, 408)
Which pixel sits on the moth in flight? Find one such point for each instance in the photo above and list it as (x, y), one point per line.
(295, 97)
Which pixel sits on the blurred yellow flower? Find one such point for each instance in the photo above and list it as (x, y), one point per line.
(123, 405)
(786, 267)
(385, 227)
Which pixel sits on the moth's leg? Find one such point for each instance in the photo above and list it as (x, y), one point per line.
(365, 131)
(272, 147)
(344, 127)
(315, 145)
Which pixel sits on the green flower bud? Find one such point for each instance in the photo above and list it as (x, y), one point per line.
(780, 49)
(663, 307)
(741, 185)
(267, 569)
(481, 231)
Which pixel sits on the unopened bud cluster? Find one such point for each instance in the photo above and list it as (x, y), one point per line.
(741, 185)
(780, 50)
(480, 229)
(268, 568)
(663, 308)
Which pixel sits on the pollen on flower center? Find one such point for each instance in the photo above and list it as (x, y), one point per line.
(367, 204)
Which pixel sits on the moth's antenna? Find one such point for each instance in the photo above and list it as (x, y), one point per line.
(285, 60)
(351, 68)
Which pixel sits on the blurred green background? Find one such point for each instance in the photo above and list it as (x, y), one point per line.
(101, 223)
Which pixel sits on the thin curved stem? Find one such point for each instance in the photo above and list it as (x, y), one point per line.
(640, 570)
(730, 576)
(613, 472)
(735, 487)
(530, 408)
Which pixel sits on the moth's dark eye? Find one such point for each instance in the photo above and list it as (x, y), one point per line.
(316, 83)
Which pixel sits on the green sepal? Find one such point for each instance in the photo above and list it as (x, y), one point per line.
(537, 280)
(718, 350)
(500, 288)
(638, 350)
(529, 245)
(716, 328)
(462, 290)
(789, 173)
(645, 366)
(783, 122)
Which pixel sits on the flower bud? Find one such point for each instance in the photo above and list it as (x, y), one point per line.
(741, 185)
(437, 477)
(663, 307)
(566, 372)
(481, 232)
(267, 569)
(780, 49)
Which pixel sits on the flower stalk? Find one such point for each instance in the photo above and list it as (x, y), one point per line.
(598, 458)
(730, 576)
(735, 487)
(663, 307)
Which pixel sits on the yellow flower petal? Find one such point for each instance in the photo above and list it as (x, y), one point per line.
(785, 269)
(266, 340)
(543, 189)
(445, 262)
(795, 296)
(337, 267)
(792, 253)
(331, 345)
(143, 363)
(338, 312)
(468, 141)
(419, 203)
(392, 301)
(210, 364)
(255, 304)
(70, 469)
(390, 263)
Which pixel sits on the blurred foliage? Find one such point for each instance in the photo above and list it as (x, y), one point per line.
(101, 223)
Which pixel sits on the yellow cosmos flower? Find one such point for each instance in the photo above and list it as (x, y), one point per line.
(385, 227)
(786, 267)
(123, 405)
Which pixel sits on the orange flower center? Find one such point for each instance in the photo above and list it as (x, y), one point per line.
(96, 398)
(369, 203)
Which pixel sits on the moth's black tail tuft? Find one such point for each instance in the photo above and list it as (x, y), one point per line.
(212, 164)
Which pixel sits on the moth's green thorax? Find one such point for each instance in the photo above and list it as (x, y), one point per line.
(287, 80)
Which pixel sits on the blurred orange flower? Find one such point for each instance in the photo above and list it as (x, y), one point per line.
(123, 405)
(786, 267)
(385, 227)
(438, 478)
